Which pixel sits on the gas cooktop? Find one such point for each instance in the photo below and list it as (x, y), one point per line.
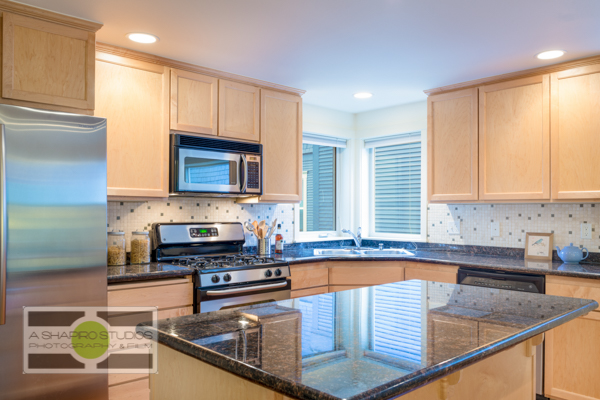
(215, 251)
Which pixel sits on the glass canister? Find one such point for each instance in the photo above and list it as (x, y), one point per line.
(140, 247)
(116, 249)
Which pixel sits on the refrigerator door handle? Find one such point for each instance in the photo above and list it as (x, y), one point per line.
(3, 225)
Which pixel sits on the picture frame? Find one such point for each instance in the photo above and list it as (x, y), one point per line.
(539, 246)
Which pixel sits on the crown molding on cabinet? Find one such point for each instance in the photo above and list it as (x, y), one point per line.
(547, 69)
(50, 16)
(151, 58)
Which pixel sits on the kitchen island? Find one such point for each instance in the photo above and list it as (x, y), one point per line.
(415, 339)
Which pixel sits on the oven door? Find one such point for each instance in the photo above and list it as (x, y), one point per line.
(237, 296)
(208, 171)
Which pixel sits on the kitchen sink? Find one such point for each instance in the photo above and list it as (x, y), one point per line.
(362, 251)
(337, 252)
(387, 252)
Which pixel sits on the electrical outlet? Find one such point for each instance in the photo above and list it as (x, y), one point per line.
(495, 229)
(586, 231)
(454, 227)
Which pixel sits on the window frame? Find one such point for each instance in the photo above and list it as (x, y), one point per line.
(314, 236)
(368, 181)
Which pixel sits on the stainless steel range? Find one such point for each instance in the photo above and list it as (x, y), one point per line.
(224, 277)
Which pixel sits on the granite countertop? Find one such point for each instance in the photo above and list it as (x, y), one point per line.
(142, 272)
(349, 345)
(483, 261)
(131, 273)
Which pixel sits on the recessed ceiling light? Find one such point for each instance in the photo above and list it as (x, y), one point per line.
(363, 95)
(142, 37)
(548, 55)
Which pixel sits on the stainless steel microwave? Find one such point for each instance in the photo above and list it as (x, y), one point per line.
(214, 167)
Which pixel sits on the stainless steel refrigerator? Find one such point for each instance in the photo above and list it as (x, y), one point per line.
(52, 236)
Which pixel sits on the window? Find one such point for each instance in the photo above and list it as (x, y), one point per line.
(396, 196)
(317, 211)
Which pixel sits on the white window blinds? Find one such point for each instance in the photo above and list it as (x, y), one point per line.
(397, 320)
(397, 188)
(321, 140)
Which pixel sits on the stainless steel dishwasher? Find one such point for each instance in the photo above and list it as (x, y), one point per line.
(510, 281)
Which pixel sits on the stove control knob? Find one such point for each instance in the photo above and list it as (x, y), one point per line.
(277, 272)
(227, 277)
(215, 278)
(268, 273)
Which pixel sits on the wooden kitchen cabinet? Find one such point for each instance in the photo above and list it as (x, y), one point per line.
(575, 125)
(354, 274)
(281, 137)
(48, 65)
(309, 279)
(133, 96)
(430, 272)
(173, 297)
(194, 102)
(239, 111)
(452, 146)
(514, 140)
(573, 349)
(571, 359)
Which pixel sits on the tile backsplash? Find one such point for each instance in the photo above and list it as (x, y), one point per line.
(515, 220)
(133, 216)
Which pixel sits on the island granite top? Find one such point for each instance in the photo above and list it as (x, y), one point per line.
(371, 343)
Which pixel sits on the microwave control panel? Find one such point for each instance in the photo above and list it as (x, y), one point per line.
(253, 172)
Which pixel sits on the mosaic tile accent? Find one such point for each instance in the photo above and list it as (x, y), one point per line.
(134, 216)
(515, 220)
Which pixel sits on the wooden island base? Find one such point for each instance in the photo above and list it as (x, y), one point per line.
(509, 375)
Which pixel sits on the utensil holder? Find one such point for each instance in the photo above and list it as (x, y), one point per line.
(264, 247)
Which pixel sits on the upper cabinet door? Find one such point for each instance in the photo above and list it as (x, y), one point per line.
(134, 97)
(239, 111)
(194, 102)
(514, 140)
(576, 133)
(48, 63)
(281, 137)
(452, 146)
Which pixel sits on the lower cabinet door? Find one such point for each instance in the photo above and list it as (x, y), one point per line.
(309, 292)
(572, 360)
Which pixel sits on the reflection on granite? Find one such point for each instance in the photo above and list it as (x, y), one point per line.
(372, 343)
(513, 264)
(141, 272)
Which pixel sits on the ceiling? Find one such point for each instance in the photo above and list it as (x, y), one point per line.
(334, 48)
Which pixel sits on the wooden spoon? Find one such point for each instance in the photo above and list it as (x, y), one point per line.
(273, 227)
(255, 225)
(263, 228)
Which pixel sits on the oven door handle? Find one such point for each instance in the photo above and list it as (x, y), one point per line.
(245, 184)
(245, 290)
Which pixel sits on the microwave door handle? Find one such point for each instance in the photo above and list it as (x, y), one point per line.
(245, 166)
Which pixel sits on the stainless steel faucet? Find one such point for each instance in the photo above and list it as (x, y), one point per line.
(357, 238)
